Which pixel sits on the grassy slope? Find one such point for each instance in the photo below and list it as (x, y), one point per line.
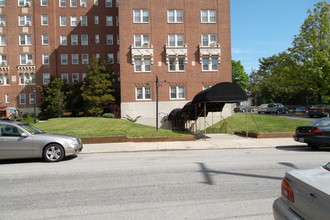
(98, 127)
(256, 123)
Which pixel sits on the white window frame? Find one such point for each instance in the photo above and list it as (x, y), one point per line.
(24, 20)
(64, 59)
(65, 78)
(22, 98)
(139, 16)
(84, 58)
(211, 62)
(43, 2)
(179, 90)
(206, 16)
(62, 20)
(7, 98)
(75, 77)
(96, 20)
(84, 20)
(109, 20)
(143, 93)
(25, 39)
(44, 20)
(45, 78)
(141, 40)
(45, 59)
(111, 58)
(209, 40)
(3, 59)
(177, 62)
(74, 59)
(3, 40)
(84, 39)
(97, 38)
(44, 39)
(83, 3)
(96, 2)
(62, 3)
(2, 3)
(31, 98)
(74, 40)
(109, 39)
(73, 21)
(73, 3)
(175, 41)
(63, 40)
(142, 65)
(2, 20)
(108, 3)
(24, 3)
(26, 59)
(176, 18)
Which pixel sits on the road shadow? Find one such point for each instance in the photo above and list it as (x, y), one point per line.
(302, 148)
(32, 160)
(208, 173)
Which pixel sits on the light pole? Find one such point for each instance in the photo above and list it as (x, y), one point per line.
(158, 83)
(34, 105)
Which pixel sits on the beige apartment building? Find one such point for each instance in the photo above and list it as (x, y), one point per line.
(185, 43)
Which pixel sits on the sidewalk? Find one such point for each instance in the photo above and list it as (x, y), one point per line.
(211, 142)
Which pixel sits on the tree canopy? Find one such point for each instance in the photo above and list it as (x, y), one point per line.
(240, 77)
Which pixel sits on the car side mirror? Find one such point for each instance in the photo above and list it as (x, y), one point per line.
(24, 135)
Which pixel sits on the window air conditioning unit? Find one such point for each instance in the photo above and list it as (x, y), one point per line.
(83, 5)
(145, 45)
(27, 4)
(74, 43)
(29, 63)
(3, 63)
(213, 44)
(2, 24)
(27, 81)
(28, 23)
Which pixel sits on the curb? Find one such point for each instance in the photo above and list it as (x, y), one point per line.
(265, 135)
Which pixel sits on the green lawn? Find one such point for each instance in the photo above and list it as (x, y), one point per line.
(256, 123)
(99, 127)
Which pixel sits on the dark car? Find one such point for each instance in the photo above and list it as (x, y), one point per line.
(276, 108)
(316, 134)
(318, 111)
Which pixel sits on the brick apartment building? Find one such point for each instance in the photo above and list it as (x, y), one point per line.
(185, 43)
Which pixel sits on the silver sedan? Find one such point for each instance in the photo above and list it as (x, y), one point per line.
(19, 140)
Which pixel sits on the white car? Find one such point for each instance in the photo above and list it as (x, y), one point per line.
(305, 195)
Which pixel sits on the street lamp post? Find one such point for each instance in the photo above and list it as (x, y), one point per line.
(158, 83)
(34, 105)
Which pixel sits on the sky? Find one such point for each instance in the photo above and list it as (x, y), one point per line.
(262, 28)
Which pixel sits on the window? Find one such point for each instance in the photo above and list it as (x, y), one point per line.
(175, 40)
(96, 2)
(176, 64)
(3, 40)
(2, 20)
(110, 57)
(141, 16)
(83, 76)
(73, 3)
(83, 3)
(142, 65)
(143, 93)
(109, 21)
(96, 20)
(108, 3)
(177, 92)
(74, 59)
(25, 39)
(74, 39)
(22, 98)
(208, 16)
(25, 20)
(64, 59)
(117, 3)
(84, 21)
(31, 98)
(118, 41)
(73, 21)
(46, 78)
(24, 3)
(25, 59)
(7, 98)
(44, 20)
(75, 77)
(141, 40)
(97, 56)
(4, 79)
(209, 40)
(84, 39)
(62, 20)
(109, 39)
(210, 63)
(2, 3)
(97, 38)
(174, 16)
(44, 39)
(63, 40)
(33, 78)
(3, 59)
(44, 2)
(62, 3)
(45, 59)
(65, 77)
(84, 58)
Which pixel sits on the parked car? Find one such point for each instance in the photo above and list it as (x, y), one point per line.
(305, 195)
(11, 113)
(19, 140)
(318, 111)
(316, 134)
(277, 108)
(300, 110)
(240, 108)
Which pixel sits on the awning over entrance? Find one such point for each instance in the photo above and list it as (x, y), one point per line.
(210, 100)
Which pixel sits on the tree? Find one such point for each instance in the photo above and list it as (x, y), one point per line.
(240, 77)
(52, 99)
(74, 102)
(97, 91)
(311, 49)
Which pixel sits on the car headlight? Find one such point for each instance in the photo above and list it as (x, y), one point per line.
(74, 141)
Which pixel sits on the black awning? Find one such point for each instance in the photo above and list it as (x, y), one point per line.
(175, 114)
(226, 92)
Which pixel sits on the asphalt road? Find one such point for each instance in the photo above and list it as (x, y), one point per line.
(212, 184)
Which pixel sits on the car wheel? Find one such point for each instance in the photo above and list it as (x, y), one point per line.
(313, 146)
(311, 116)
(277, 112)
(53, 153)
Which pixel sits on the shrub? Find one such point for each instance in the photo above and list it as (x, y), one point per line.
(28, 118)
(108, 115)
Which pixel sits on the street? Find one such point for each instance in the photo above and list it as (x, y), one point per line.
(200, 184)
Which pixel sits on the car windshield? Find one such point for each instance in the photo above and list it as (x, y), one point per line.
(31, 129)
(321, 122)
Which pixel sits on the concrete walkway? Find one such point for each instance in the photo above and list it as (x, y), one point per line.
(211, 142)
